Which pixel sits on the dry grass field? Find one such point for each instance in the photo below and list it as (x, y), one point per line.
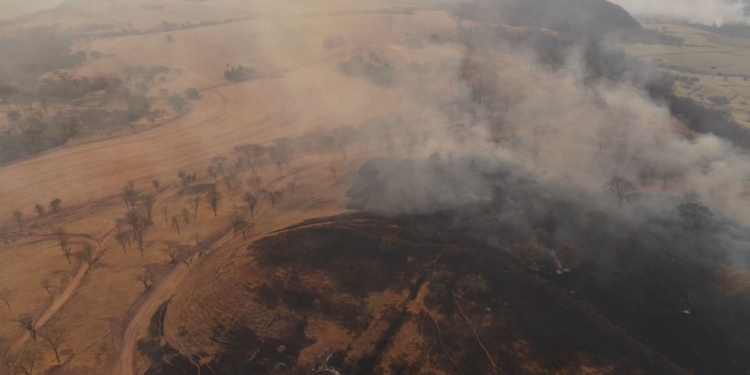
(298, 89)
(718, 62)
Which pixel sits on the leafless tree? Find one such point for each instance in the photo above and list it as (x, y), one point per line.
(255, 181)
(176, 223)
(5, 294)
(157, 185)
(62, 239)
(275, 196)
(18, 215)
(39, 208)
(55, 335)
(194, 202)
(138, 224)
(145, 276)
(46, 285)
(130, 195)
(239, 224)
(621, 188)
(123, 237)
(233, 182)
(26, 321)
(171, 249)
(148, 203)
(165, 210)
(695, 213)
(212, 198)
(55, 205)
(88, 255)
(568, 256)
(334, 171)
(292, 186)
(185, 179)
(213, 172)
(251, 201)
(25, 362)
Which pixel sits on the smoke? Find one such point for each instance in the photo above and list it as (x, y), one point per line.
(564, 129)
(709, 12)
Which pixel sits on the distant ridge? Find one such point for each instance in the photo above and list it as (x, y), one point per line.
(587, 17)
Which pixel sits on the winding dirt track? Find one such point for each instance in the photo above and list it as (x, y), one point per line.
(60, 300)
(124, 360)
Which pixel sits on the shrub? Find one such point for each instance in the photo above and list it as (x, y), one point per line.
(192, 93)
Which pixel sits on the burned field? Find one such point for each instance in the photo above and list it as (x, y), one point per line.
(454, 298)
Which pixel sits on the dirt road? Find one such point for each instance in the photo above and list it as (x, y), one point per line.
(124, 361)
(61, 299)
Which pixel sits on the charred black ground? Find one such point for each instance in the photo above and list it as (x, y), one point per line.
(622, 310)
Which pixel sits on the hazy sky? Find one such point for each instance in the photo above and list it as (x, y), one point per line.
(14, 8)
(700, 11)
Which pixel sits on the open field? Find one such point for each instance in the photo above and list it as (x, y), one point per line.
(721, 64)
(298, 90)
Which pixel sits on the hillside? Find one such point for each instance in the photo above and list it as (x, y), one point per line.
(593, 18)
(329, 292)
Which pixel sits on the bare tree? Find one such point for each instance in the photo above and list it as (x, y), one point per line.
(18, 215)
(243, 226)
(165, 210)
(292, 186)
(123, 237)
(334, 171)
(185, 179)
(212, 198)
(695, 213)
(55, 205)
(251, 201)
(5, 294)
(194, 202)
(239, 224)
(148, 203)
(39, 208)
(145, 276)
(88, 255)
(157, 185)
(275, 196)
(46, 285)
(255, 181)
(138, 224)
(621, 188)
(733, 279)
(176, 223)
(233, 182)
(213, 171)
(55, 335)
(62, 239)
(26, 321)
(25, 362)
(171, 250)
(130, 195)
